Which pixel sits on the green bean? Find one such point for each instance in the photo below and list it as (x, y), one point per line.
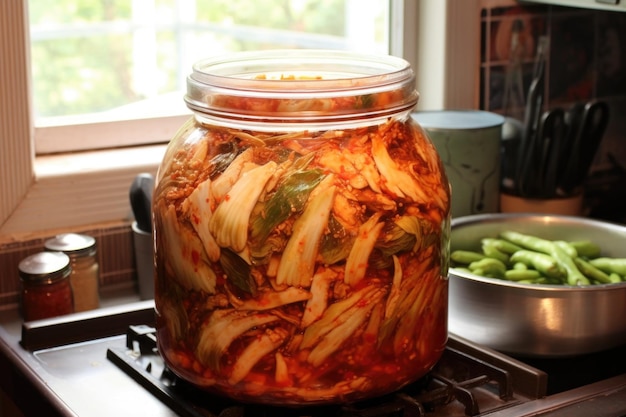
(567, 248)
(522, 275)
(608, 265)
(502, 245)
(520, 266)
(574, 276)
(591, 271)
(492, 251)
(491, 266)
(529, 242)
(479, 271)
(540, 280)
(466, 257)
(586, 248)
(526, 258)
(540, 261)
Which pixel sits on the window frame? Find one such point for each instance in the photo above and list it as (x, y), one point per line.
(69, 190)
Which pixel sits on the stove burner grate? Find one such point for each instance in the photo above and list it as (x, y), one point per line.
(460, 384)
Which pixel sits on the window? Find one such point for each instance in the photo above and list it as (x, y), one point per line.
(96, 62)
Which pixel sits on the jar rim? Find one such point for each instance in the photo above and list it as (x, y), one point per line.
(300, 84)
(352, 70)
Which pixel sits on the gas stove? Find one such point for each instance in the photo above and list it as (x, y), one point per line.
(461, 384)
(469, 380)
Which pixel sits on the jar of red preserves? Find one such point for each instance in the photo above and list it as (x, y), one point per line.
(301, 226)
(46, 289)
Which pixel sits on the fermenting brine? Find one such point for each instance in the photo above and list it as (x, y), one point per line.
(301, 230)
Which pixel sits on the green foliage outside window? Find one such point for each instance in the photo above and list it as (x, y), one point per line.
(85, 53)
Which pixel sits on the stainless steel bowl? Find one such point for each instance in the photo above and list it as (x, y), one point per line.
(533, 319)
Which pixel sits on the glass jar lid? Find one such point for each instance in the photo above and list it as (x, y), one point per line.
(72, 244)
(300, 85)
(44, 267)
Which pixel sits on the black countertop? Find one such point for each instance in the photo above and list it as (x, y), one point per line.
(75, 379)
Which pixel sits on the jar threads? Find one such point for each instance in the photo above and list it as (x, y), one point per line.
(46, 289)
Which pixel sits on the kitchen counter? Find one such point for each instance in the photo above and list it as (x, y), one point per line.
(45, 377)
(75, 379)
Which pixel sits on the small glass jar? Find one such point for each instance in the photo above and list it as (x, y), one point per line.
(301, 225)
(84, 279)
(46, 289)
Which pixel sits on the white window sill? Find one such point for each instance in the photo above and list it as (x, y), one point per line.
(78, 189)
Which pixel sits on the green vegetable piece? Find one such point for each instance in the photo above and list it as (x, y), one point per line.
(461, 269)
(289, 198)
(608, 265)
(522, 275)
(490, 266)
(466, 257)
(586, 248)
(567, 248)
(615, 278)
(520, 266)
(528, 241)
(542, 262)
(502, 245)
(574, 276)
(591, 271)
(335, 246)
(227, 153)
(237, 271)
(478, 271)
(492, 251)
(400, 235)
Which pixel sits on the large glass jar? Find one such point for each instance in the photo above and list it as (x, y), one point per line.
(301, 222)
